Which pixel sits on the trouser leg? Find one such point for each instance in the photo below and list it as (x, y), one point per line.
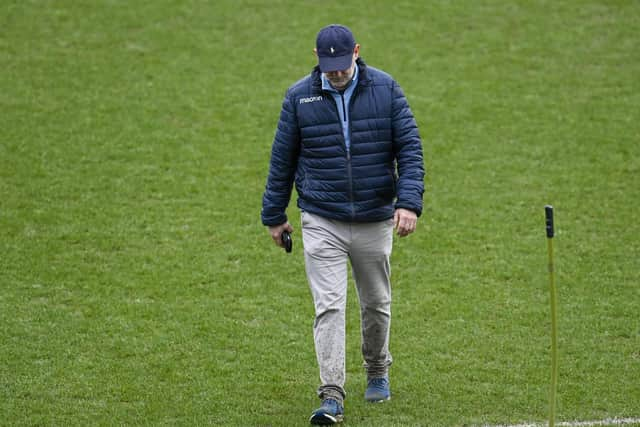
(326, 265)
(370, 259)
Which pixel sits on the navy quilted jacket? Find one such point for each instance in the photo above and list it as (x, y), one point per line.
(382, 170)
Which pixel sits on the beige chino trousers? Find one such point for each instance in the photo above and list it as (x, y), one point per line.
(328, 246)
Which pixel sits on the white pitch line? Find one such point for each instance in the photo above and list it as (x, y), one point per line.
(605, 422)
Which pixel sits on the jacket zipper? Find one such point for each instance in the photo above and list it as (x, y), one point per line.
(344, 108)
(343, 118)
(348, 149)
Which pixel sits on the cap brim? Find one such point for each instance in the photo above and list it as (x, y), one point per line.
(335, 63)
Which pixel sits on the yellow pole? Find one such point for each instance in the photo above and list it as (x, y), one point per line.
(554, 318)
(554, 337)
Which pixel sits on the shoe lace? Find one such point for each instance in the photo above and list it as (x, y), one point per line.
(331, 403)
(379, 383)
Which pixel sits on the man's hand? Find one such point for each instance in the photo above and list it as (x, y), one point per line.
(404, 221)
(276, 232)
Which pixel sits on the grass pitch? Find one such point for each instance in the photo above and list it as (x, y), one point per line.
(137, 285)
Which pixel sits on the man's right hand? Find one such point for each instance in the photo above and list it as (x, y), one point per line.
(276, 232)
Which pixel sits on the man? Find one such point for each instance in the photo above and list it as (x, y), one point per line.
(349, 141)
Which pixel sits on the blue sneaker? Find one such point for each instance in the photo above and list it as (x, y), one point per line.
(377, 390)
(331, 412)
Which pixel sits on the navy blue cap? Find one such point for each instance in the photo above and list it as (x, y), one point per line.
(335, 45)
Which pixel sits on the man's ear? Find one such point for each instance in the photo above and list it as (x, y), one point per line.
(356, 51)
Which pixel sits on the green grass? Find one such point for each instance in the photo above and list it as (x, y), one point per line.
(137, 285)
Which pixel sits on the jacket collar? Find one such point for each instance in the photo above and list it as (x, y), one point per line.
(363, 76)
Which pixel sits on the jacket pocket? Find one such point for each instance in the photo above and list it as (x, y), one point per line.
(301, 185)
(394, 182)
(388, 190)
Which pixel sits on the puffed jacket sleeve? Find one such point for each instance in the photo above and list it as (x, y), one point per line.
(282, 167)
(407, 147)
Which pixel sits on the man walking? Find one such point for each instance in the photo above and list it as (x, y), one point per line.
(348, 140)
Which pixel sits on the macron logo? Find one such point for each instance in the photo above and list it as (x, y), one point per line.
(310, 99)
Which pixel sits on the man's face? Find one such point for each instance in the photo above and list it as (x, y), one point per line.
(340, 79)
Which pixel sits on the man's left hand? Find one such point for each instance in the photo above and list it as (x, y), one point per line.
(404, 221)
